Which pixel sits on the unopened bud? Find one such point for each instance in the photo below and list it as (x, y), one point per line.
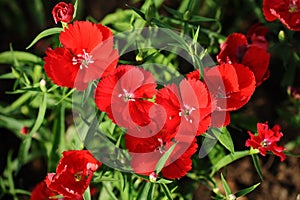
(153, 177)
(43, 85)
(281, 36)
(232, 197)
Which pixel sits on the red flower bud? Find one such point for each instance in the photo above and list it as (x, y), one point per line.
(63, 12)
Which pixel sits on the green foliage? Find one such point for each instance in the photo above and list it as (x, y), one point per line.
(46, 109)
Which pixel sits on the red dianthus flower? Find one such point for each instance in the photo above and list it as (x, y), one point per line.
(123, 96)
(87, 54)
(236, 49)
(73, 173)
(287, 11)
(266, 140)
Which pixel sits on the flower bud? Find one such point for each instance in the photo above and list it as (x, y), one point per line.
(153, 177)
(63, 12)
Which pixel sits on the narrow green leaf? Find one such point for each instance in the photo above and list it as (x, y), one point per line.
(196, 18)
(139, 12)
(166, 191)
(144, 191)
(246, 190)
(224, 138)
(25, 146)
(8, 76)
(174, 12)
(45, 33)
(9, 57)
(108, 189)
(87, 194)
(151, 191)
(18, 103)
(256, 162)
(226, 186)
(162, 161)
(58, 137)
(179, 39)
(164, 181)
(75, 9)
(161, 24)
(226, 160)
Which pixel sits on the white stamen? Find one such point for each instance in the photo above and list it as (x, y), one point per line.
(83, 59)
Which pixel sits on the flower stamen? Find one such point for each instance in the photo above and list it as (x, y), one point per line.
(83, 59)
(186, 112)
(127, 96)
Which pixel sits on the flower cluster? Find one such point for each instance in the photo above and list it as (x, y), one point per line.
(73, 175)
(175, 114)
(158, 120)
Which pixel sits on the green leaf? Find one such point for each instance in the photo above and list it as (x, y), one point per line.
(75, 9)
(216, 153)
(256, 162)
(226, 186)
(166, 191)
(246, 190)
(229, 159)
(25, 146)
(174, 12)
(58, 137)
(139, 12)
(87, 194)
(9, 57)
(145, 190)
(8, 76)
(162, 161)
(196, 18)
(45, 33)
(151, 192)
(224, 137)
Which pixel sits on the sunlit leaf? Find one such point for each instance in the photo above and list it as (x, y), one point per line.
(246, 190)
(166, 190)
(162, 161)
(45, 33)
(226, 160)
(87, 194)
(9, 57)
(226, 186)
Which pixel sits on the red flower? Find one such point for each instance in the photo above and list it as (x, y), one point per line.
(257, 36)
(87, 54)
(236, 49)
(287, 11)
(146, 152)
(63, 12)
(73, 173)
(123, 96)
(266, 140)
(42, 192)
(188, 106)
(218, 118)
(231, 84)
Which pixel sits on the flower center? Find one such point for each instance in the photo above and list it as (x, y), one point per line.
(265, 143)
(78, 176)
(127, 96)
(186, 111)
(83, 59)
(161, 147)
(293, 7)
